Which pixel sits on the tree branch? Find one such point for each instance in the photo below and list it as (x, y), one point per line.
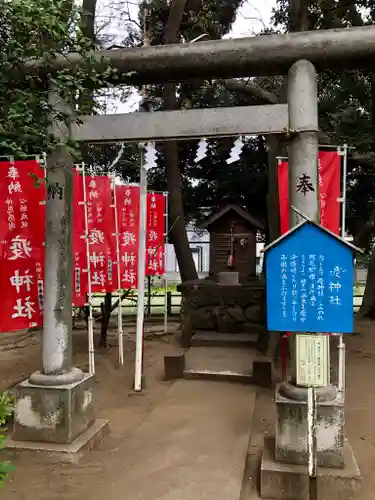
(251, 89)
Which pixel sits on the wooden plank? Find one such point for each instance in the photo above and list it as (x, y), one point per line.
(182, 124)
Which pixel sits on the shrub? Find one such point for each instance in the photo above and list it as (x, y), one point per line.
(6, 410)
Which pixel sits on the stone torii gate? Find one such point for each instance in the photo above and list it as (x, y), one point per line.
(55, 404)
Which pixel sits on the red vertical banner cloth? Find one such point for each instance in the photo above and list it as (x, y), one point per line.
(329, 191)
(127, 206)
(36, 193)
(155, 245)
(80, 262)
(22, 233)
(101, 230)
(283, 196)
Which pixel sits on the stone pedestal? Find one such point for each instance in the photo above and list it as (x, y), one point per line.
(291, 430)
(228, 278)
(284, 473)
(223, 308)
(284, 481)
(54, 413)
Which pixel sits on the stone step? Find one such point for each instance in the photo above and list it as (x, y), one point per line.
(232, 364)
(215, 339)
(221, 375)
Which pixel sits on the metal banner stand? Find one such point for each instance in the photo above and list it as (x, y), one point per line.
(312, 371)
(90, 321)
(341, 346)
(40, 280)
(119, 292)
(311, 442)
(165, 263)
(141, 272)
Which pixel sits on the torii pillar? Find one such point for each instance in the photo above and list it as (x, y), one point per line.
(54, 411)
(284, 473)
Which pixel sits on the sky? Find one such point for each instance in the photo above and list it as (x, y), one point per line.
(252, 18)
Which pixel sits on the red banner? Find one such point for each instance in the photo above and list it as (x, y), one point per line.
(329, 192)
(127, 203)
(80, 282)
(283, 196)
(155, 257)
(101, 230)
(22, 232)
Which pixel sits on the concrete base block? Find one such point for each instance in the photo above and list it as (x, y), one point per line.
(174, 367)
(279, 480)
(291, 432)
(53, 414)
(282, 481)
(64, 453)
(143, 385)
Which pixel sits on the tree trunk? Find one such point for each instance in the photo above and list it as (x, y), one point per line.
(117, 302)
(85, 98)
(367, 309)
(105, 319)
(176, 208)
(88, 19)
(298, 15)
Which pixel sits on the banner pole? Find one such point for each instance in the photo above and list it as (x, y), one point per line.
(165, 263)
(40, 280)
(141, 272)
(119, 308)
(341, 346)
(344, 149)
(311, 442)
(90, 322)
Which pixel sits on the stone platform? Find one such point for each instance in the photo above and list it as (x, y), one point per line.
(283, 481)
(62, 452)
(210, 306)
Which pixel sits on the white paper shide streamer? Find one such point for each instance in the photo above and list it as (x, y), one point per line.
(236, 151)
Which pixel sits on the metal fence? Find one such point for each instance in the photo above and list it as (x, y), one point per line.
(156, 301)
(155, 304)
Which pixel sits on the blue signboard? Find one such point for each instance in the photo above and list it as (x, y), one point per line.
(310, 279)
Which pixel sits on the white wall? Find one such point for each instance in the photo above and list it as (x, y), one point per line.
(200, 241)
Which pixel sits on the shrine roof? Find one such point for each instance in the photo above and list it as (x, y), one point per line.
(241, 212)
